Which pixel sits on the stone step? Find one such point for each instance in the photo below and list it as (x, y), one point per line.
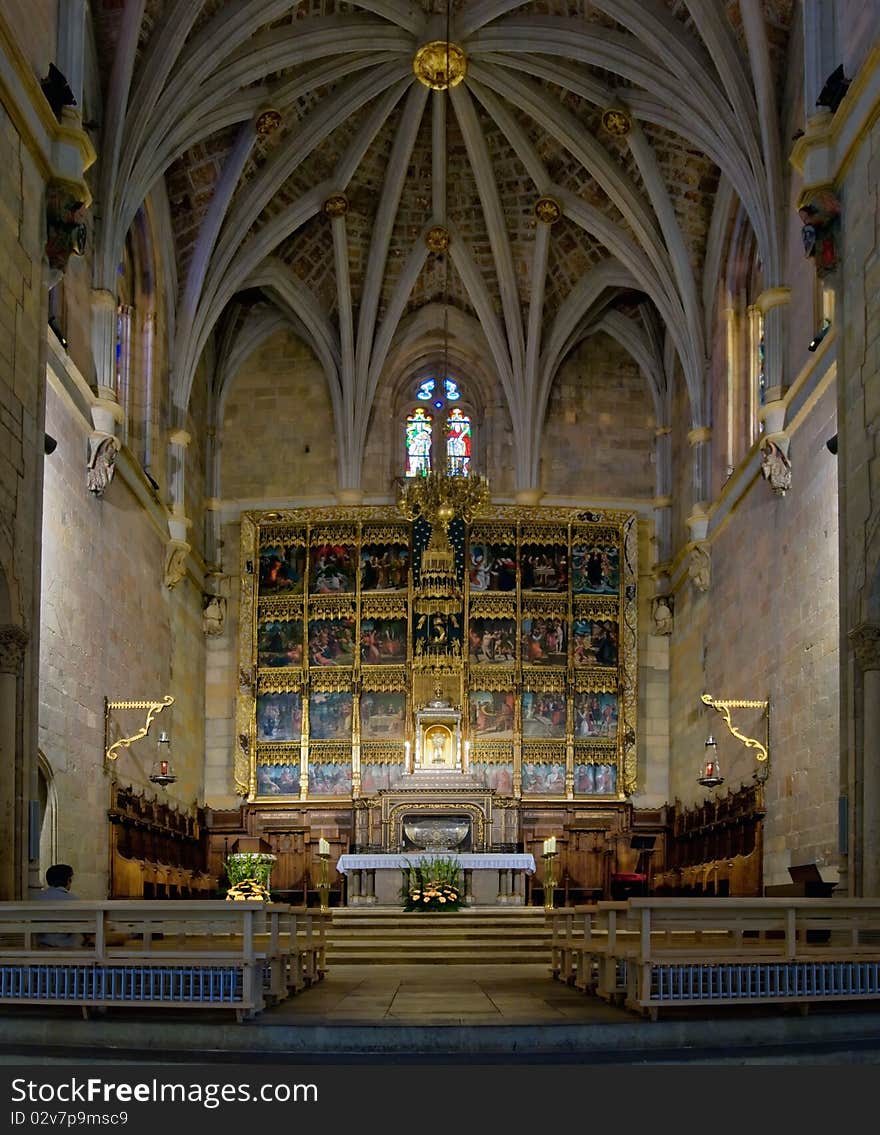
(389, 936)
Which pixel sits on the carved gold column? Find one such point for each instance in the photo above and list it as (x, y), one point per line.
(865, 641)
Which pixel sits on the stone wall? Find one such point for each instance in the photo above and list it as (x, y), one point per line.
(598, 436)
(277, 437)
(22, 358)
(110, 628)
(768, 626)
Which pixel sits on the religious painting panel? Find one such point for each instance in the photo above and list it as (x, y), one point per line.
(279, 716)
(333, 569)
(280, 642)
(544, 567)
(543, 713)
(492, 714)
(543, 641)
(491, 642)
(596, 568)
(595, 714)
(492, 567)
(331, 642)
(329, 778)
(384, 567)
(542, 778)
(330, 713)
(383, 642)
(383, 715)
(376, 776)
(282, 569)
(496, 775)
(278, 780)
(595, 642)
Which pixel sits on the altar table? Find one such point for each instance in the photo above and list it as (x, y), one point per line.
(375, 879)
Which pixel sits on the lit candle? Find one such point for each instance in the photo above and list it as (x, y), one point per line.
(323, 846)
(551, 845)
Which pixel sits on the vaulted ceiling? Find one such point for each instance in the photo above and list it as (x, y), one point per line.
(303, 160)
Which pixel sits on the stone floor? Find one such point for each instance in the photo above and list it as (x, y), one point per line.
(455, 1014)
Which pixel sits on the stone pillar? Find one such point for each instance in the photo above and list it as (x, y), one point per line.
(700, 440)
(70, 52)
(13, 789)
(178, 547)
(772, 303)
(820, 50)
(865, 641)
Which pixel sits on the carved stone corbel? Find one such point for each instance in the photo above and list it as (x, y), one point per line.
(103, 451)
(176, 552)
(13, 643)
(776, 467)
(700, 567)
(865, 641)
(66, 232)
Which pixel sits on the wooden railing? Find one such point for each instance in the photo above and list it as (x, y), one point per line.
(210, 954)
(651, 953)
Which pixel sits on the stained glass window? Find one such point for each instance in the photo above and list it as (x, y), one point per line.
(425, 391)
(418, 443)
(458, 443)
(451, 388)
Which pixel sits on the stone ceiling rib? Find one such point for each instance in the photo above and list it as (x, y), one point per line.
(491, 202)
(699, 81)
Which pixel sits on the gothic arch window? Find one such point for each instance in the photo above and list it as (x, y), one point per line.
(439, 429)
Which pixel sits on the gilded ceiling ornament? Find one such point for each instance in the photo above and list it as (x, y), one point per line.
(268, 121)
(616, 122)
(336, 205)
(548, 210)
(437, 238)
(440, 64)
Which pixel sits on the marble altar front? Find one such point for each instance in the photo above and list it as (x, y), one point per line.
(490, 878)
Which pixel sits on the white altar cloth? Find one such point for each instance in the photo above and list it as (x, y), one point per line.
(468, 861)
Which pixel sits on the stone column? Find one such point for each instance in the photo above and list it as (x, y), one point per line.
(865, 641)
(700, 440)
(13, 794)
(820, 50)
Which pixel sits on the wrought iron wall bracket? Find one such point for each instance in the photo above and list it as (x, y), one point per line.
(762, 750)
(153, 708)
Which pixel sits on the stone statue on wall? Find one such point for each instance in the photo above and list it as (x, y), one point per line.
(700, 567)
(776, 468)
(103, 451)
(175, 562)
(819, 212)
(66, 233)
(213, 614)
(662, 613)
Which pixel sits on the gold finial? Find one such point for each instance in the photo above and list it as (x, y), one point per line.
(440, 64)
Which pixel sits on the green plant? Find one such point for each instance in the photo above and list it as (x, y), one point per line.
(432, 885)
(248, 873)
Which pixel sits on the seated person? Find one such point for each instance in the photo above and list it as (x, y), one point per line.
(58, 880)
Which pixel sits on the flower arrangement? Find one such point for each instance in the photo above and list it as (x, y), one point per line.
(432, 885)
(248, 873)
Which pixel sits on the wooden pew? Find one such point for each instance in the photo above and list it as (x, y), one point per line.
(203, 954)
(674, 952)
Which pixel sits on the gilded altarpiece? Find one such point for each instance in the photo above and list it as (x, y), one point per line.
(344, 640)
